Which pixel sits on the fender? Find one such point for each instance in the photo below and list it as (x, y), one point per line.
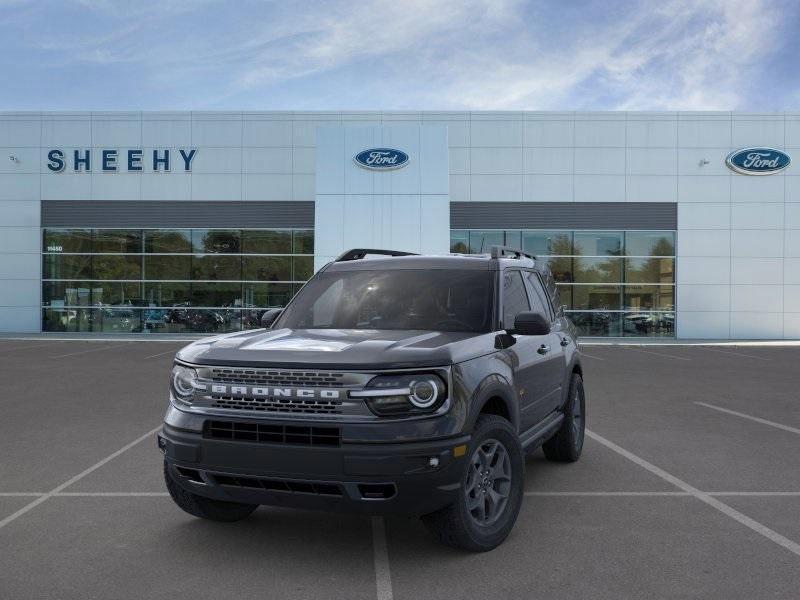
(493, 386)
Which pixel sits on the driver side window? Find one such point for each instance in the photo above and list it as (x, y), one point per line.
(515, 298)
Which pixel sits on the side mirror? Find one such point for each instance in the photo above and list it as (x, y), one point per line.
(531, 323)
(268, 318)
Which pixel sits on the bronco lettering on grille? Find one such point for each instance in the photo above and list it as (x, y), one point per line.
(260, 391)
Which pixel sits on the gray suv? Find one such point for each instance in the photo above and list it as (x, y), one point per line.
(391, 384)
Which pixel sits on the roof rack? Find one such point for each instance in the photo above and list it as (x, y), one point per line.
(507, 251)
(359, 253)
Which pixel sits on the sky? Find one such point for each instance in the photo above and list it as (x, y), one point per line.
(400, 55)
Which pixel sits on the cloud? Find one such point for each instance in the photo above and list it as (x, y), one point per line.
(450, 54)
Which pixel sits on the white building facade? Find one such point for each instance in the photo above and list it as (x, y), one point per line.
(196, 222)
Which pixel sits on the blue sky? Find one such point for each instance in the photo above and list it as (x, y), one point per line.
(400, 54)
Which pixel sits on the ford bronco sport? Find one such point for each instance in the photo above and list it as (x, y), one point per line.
(398, 384)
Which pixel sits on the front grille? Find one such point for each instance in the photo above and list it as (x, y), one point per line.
(278, 405)
(273, 434)
(274, 377)
(281, 485)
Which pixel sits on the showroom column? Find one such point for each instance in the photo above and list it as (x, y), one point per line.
(406, 208)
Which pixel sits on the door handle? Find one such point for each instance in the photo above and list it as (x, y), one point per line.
(543, 349)
(565, 341)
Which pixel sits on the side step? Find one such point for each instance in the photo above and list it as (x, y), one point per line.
(539, 433)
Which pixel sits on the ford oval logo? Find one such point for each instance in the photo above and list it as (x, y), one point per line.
(381, 159)
(758, 161)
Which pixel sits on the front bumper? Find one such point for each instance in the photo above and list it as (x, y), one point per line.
(408, 478)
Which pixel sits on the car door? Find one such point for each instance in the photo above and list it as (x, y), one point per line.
(554, 363)
(528, 364)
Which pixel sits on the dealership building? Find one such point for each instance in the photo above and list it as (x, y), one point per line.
(655, 225)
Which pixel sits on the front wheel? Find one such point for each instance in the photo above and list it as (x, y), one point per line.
(491, 490)
(205, 508)
(566, 445)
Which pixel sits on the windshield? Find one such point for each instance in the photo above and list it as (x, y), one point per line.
(437, 300)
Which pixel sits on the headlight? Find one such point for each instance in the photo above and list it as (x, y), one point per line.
(406, 394)
(183, 380)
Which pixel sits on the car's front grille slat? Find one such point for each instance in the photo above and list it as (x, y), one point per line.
(276, 377)
(278, 405)
(268, 433)
(319, 488)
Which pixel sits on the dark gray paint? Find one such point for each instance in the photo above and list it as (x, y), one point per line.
(182, 213)
(563, 215)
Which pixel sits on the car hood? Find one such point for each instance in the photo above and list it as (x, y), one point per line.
(338, 348)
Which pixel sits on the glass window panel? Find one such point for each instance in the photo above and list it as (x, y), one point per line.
(649, 297)
(116, 267)
(267, 241)
(513, 239)
(515, 298)
(225, 241)
(168, 240)
(536, 295)
(561, 268)
(123, 241)
(67, 319)
(69, 266)
(217, 267)
(597, 324)
(168, 267)
(596, 297)
(649, 270)
(201, 320)
(547, 243)
(67, 240)
(303, 267)
(650, 243)
(482, 241)
(58, 294)
(267, 268)
(268, 295)
(217, 294)
(459, 241)
(117, 320)
(598, 243)
(644, 324)
(303, 241)
(565, 296)
(598, 270)
(167, 294)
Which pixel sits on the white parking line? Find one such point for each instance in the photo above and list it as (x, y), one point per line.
(383, 577)
(751, 418)
(31, 505)
(742, 354)
(591, 356)
(90, 350)
(734, 514)
(657, 353)
(110, 494)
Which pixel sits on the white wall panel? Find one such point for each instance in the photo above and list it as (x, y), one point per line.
(303, 187)
(761, 132)
(704, 134)
(754, 298)
(268, 160)
(757, 325)
(115, 186)
(459, 161)
(662, 133)
(703, 325)
(19, 133)
(548, 161)
(67, 132)
(460, 188)
(759, 271)
(67, 186)
(166, 186)
(27, 159)
(757, 215)
(116, 134)
(599, 188)
(698, 188)
(599, 161)
(651, 188)
(757, 243)
(271, 186)
(544, 133)
(495, 133)
(219, 187)
(596, 134)
(217, 134)
(758, 189)
(496, 188)
(15, 186)
(652, 161)
(496, 161)
(547, 188)
(704, 215)
(21, 319)
(704, 242)
(166, 133)
(705, 270)
(19, 292)
(19, 213)
(702, 161)
(703, 297)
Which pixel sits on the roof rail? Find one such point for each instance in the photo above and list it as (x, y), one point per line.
(359, 253)
(503, 251)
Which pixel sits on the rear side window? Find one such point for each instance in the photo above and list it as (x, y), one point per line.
(515, 298)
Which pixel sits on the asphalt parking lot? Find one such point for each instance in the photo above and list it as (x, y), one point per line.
(689, 487)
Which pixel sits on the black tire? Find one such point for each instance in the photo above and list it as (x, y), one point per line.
(205, 508)
(456, 525)
(567, 444)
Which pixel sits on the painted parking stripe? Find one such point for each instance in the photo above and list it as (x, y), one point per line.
(725, 509)
(591, 356)
(657, 353)
(28, 347)
(383, 577)
(90, 350)
(161, 353)
(751, 418)
(742, 354)
(31, 505)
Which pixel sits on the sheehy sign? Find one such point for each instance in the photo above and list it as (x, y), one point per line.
(134, 160)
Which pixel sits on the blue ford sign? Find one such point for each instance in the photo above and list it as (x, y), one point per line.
(758, 161)
(381, 159)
